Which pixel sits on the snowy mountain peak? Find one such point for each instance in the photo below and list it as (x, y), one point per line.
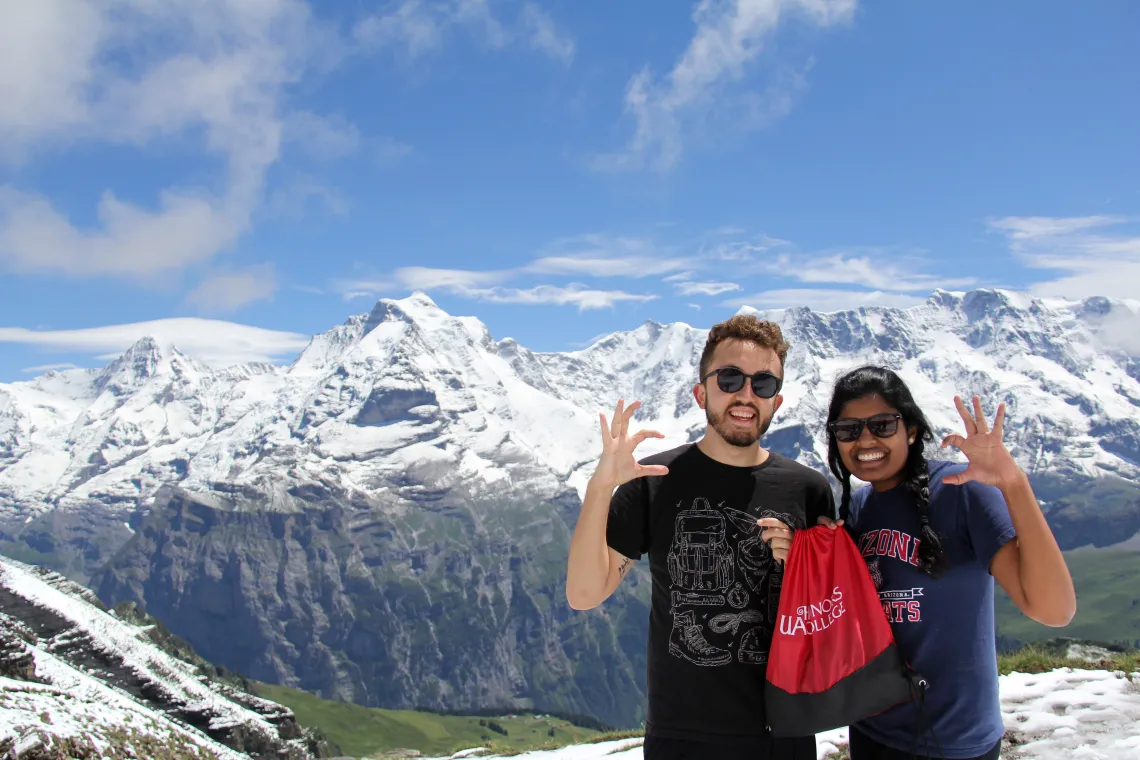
(416, 308)
(146, 359)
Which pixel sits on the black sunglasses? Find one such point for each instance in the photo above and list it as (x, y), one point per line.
(849, 429)
(731, 380)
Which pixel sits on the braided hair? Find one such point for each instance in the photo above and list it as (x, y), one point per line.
(867, 381)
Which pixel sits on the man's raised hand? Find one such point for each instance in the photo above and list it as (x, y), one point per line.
(618, 464)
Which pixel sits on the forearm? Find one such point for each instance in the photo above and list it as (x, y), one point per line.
(588, 566)
(1044, 576)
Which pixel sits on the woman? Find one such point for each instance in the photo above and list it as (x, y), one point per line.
(936, 535)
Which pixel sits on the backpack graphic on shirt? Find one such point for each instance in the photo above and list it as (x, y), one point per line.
(700, 558)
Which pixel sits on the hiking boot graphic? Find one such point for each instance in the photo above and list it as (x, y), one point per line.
(688, 641)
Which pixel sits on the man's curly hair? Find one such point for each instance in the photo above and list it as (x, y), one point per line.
(745, 327)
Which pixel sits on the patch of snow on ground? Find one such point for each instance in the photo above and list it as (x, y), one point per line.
(1062, 715)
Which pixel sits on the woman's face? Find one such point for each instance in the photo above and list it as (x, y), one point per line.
(878, 453)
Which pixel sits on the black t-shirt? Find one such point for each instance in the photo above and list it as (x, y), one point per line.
(716, 587)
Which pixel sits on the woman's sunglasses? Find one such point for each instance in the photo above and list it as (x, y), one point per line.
(849, 429)
(731, 380)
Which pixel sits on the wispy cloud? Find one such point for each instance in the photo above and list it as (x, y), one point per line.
(231, 290)
(417, 27)
(705, 288)
(883, 271)
(428, 278)
(729, 38)
(42, 368)
(1045, 227)
(211, 341)
(574, 294)
(822, 299)
(1085, 260)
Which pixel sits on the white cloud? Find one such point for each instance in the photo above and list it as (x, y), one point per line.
(630, 266)
(39, 370)
(544, 36)
(232, 290)
(129, 241)
(73, 71)
(881, 273)
(730, 36)
(427, 278)
(324, 137)
(602, 255)
(1085, 264)
(389, 150)
(420, 27)
(573, 294)
(705, 288)
(823, 300)
(213, 342)
(1038, 227)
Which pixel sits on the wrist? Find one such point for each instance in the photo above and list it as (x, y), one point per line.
(602, 481)
(1013, 479)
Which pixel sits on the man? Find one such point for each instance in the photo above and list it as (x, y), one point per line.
(716, 519)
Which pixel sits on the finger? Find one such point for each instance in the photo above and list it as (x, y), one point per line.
(770, 522)
(605, 428)
(959, 478)
(641, 435)
(954, 440)
(615, 426)
(824, 520)
(647, 470)
(980, 416)
(967, 420)
(999, 420)
(781, 546)
(627, 416)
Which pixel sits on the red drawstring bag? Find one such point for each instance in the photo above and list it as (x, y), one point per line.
(833, 659)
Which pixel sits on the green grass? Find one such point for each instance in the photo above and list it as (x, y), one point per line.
(370, 732)
(1108, 600)
(1042, 659)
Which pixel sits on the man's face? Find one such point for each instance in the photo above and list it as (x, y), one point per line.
(740, 418)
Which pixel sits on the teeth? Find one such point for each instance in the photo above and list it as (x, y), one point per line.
(741, 415)
(871, 456)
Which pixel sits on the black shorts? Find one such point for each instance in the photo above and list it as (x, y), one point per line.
(864, 747)
(765, 748)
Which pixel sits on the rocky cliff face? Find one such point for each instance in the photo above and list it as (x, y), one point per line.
(450, 605)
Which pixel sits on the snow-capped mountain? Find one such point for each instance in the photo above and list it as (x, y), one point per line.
(386, 519)
(78, 680)
(408, 392)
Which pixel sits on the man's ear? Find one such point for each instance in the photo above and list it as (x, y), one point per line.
(699, 394)
(779, 401)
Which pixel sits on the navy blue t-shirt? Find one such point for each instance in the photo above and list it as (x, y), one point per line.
(944, 627)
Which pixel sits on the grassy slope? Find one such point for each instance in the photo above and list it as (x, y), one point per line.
(368, 732)
(1108, 600)
(363, 731)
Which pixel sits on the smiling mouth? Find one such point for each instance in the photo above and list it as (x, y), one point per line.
(742, 415)
(871, 456)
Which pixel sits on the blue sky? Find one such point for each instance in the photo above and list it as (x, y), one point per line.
(559, 169)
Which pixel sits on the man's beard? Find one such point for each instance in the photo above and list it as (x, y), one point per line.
(736, 436)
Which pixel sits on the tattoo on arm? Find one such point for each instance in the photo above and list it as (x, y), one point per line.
(625, 563)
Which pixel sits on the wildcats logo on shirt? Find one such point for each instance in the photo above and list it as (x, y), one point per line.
(902, 605)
